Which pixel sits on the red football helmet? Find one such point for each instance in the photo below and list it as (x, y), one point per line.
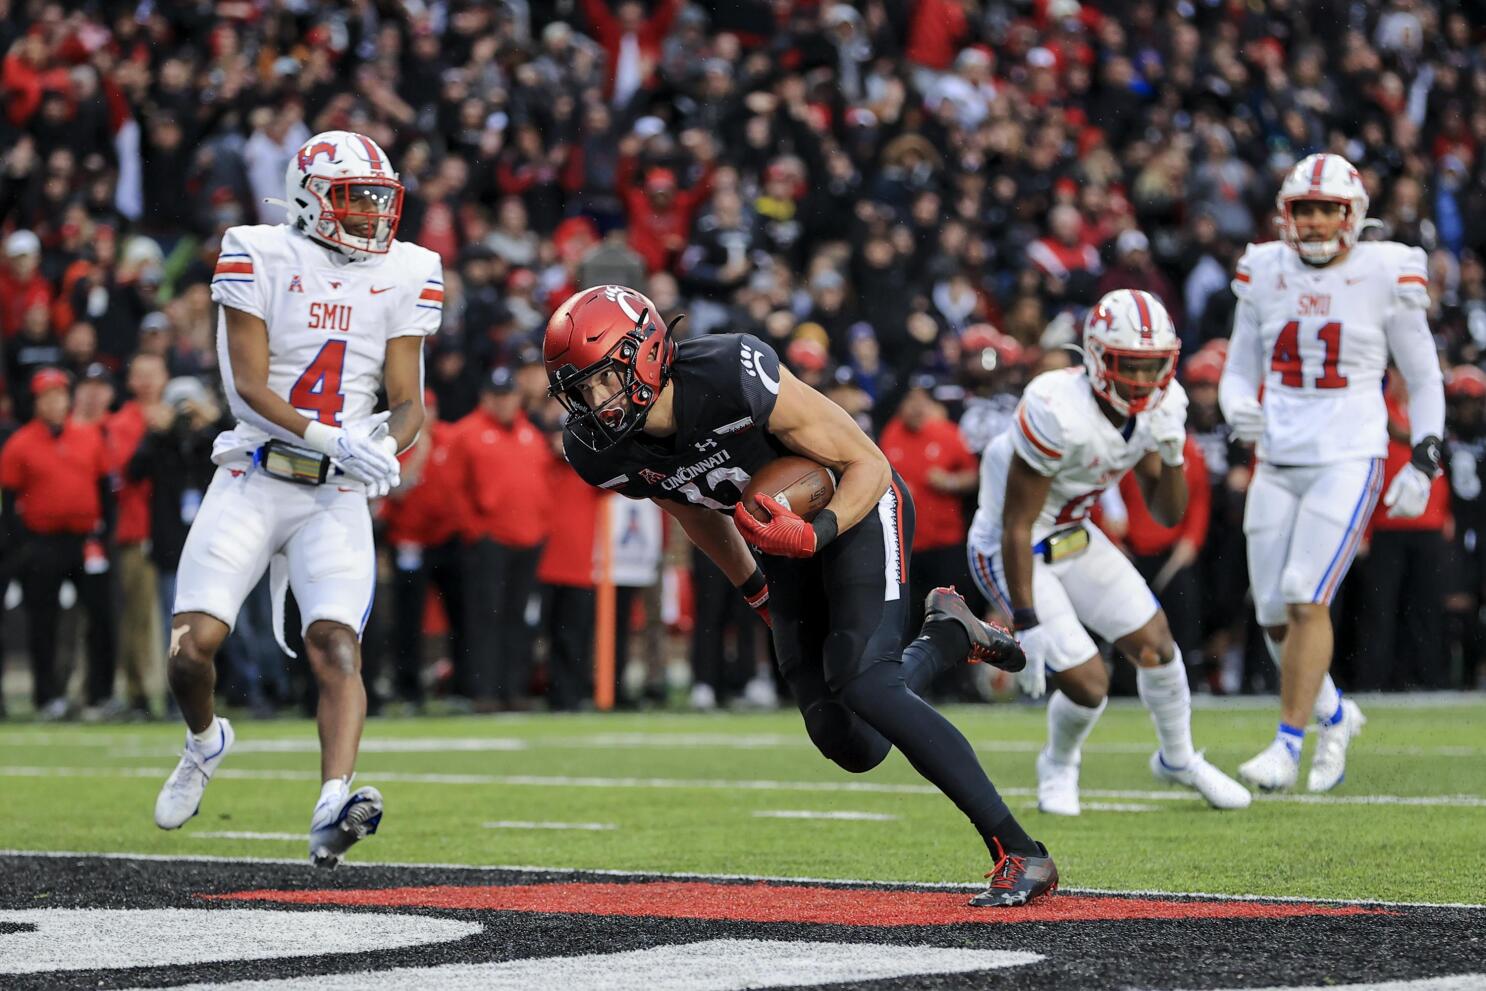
(1465, 382)
(607, 329)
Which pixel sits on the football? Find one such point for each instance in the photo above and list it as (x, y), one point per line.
(797, 483)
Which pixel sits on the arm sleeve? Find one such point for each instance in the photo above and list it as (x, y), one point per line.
(758, 373)
(422, 312)
(1244, 370)
(1199, 497)
(237, 281)
(1412, 347)
(1037, 436)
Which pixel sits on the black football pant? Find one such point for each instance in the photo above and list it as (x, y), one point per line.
(411, 577)
(838, 630)
(1401, 612)
(498, 584)
(50, 560)
(568, 616)
(718, 609)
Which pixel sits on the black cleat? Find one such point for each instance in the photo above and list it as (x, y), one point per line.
(989, 643)
(1015, 880)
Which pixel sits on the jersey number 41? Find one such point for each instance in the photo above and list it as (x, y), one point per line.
(1285, 360)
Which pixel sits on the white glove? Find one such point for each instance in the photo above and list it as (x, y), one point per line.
(1408, 494)
(359, 452)
(1246, 420)
(1168, 426)
(1032, 679)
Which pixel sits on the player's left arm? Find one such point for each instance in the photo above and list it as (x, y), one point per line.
(811, 425)
(1412, 347)
(1164, 488)
(402, 376)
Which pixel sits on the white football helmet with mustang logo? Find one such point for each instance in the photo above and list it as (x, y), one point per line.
(342, 192)
(1324, 179)
(1130, 350)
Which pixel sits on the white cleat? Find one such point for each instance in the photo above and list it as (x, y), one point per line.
(1329, 762)
(703, 698)
(334, 829)
(1273, 770)
(1057, 786)
(1217, 789)
(180, 796)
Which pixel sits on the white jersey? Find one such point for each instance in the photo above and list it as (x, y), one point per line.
(1060, 431)
(329, 322)
(1319, 340)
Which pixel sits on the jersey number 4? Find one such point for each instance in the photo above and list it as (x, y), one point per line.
(1285, 360)
(319, 388)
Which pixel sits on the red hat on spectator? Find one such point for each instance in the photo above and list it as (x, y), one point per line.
(982, 336)
(49, 378)
(807, 355)
(1465, 382)
(1203, 368)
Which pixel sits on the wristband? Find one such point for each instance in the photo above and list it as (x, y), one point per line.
(1023, 619)
(1428, 456)
(756, 588)
(321, 437)
(824, 526)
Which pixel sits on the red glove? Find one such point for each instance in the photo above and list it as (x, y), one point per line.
(785, 535)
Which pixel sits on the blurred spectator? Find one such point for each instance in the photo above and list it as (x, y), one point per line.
(1400, 616)
(636, 538)
(33, 348)
(1465, 471)
(632, 42)
(1133, 269)
(567, 576)
(54, 473)
(22, 285)
(422, 532)
(660, 213)
(993, 369)
(141, 647)
(499, 473)
(277, 135)
(926, 449)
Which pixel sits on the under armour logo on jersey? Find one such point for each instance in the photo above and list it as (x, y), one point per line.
(296, 285)
(705, 445)
(652, 476)
(309, 153)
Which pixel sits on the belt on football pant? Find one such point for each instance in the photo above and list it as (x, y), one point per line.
(1060, 545)
(291, 463)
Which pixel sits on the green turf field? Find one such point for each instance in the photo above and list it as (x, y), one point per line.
(693, 793)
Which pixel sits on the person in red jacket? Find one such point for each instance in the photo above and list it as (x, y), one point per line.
(660, 214)
(1167, 556)
(53, 473)
(500, 477)
(632, 41)
(926, 449)
(567, 576)
(22, 285)
(423, 534)
(141, 648)
(1401, 592)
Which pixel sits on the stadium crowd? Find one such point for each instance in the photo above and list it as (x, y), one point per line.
(914, 201)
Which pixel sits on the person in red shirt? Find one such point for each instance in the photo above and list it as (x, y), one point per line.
(22, 285)
(423, 534)
(567, 575)
(926, 449)
(1401, 589)
(500, 480)
(53, 473)
(141, 648)
(632, 42)
(660, 214)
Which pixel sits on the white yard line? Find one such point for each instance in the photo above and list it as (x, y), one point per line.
(584, 826)
(841, 815)
(744, 784)
(233, 834)
(671, 875)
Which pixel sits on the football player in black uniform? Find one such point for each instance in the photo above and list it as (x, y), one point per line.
(687, 425)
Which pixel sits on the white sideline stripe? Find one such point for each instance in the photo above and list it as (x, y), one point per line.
(130, 746)
(837, 882)
(515, 824)
(1118, 807)
(1455, 982)
(709, 784)
(233, 834)
(807, 814)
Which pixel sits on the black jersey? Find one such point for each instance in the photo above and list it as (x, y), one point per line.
(725, 387)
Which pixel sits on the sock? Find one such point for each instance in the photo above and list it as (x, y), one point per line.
(1168, 698)
(1292, 737)
(1328, 707)
(335, 789)
(208, 738)
(1068, 726)
(937, 750)
(939, 646)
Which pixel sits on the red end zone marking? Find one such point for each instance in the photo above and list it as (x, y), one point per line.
(782, 903)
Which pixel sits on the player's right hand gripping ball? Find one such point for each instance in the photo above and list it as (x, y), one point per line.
(786, 534)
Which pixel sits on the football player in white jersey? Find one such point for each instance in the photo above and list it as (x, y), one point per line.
(1034, 553)
(1319, 315)
(316, 315)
